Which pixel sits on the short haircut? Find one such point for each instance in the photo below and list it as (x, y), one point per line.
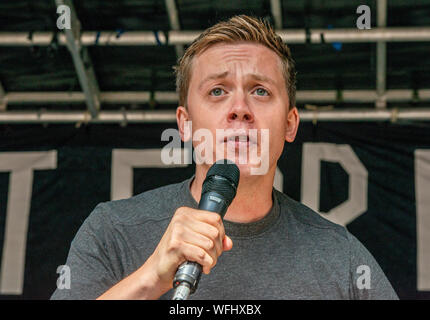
(240, 28)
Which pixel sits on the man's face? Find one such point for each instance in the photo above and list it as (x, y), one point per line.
(241, 87)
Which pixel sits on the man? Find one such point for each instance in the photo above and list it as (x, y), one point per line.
(237, 75)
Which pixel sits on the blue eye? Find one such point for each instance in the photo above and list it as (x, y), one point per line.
(217, 92)
(261, 92)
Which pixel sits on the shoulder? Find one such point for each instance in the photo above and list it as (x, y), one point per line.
(305, 217)
(333, 244)
(156, 204)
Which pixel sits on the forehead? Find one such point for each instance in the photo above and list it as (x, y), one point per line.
(240, 56)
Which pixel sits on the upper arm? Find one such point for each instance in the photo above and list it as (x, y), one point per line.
(368, 280)
(90, 259)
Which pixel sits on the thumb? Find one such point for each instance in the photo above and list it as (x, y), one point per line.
(227, 243)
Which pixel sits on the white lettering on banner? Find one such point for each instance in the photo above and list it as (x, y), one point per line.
(422, 196)
(123, 162)
(21, 166)
(356, 204)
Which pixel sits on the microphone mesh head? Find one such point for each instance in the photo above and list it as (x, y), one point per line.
(223, 178)
(227, 169)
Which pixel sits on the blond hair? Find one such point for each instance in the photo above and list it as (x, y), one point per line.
(236, 29)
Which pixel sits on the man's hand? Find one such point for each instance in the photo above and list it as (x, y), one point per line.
(192, 235)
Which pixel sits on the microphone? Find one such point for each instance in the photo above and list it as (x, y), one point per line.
(218, 191)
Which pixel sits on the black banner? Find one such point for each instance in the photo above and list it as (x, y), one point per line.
(372, 177)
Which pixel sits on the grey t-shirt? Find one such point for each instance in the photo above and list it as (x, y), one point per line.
(292, 253)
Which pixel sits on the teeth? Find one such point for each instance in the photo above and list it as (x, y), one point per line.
(238, 138)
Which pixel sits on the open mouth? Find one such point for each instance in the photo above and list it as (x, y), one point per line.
(237, 139)
(240, 139)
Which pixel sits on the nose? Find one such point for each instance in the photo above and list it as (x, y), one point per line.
(240, 110)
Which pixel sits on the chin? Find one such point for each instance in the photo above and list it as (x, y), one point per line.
(245, 170)
(250, 169)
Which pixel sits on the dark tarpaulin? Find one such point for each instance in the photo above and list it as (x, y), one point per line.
(62, 198)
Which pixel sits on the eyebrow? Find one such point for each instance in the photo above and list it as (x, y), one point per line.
(224, 74)
(213, 77)
(262, 78)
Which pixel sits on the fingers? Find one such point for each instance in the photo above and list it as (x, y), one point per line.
(192, 235)
(207, 223)
(214, 234)
(227, 243)
(199, 255)
(207, 217)
(207, 234)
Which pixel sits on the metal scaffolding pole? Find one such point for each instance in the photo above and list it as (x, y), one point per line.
(82, 61)
(169, 116)
(290, 36)
(172, 11)
(276, 9)
(381, 57)
(171, 97)
(3, 99)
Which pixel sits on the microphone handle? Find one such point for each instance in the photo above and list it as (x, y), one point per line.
(214, 202)
(188, 275)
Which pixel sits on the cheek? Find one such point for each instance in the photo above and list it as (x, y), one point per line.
(277, 142)
(203, 131)
(277, 138)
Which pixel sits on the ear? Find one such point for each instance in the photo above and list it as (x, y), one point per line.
(293, 121)
(182, 118)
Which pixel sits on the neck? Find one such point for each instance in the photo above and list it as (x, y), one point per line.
(253, 197)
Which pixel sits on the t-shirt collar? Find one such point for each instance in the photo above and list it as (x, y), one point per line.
(236, 229)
